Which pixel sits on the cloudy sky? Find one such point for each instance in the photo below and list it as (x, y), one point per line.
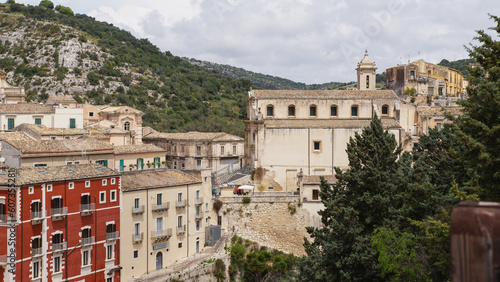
(303, 40)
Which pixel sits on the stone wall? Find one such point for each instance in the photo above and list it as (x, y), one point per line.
(271, 224)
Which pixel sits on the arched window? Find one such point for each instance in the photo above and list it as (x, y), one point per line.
(270, 111)
(354, 111)
(385, 110)
(367, 82)
(291, 111)
(333, 111)
(126, 126)
(312, 111)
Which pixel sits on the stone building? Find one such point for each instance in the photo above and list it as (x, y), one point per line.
(10, 94)
(12, 115)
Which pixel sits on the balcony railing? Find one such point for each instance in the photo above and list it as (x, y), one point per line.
(159, 208)
(59, 247)
(159, 235)
(199, 215)
(36, 252)
(87, 209)
(137, 238)
(180, 204)
(58, 213)
(87, 240)
(112, 235)
(199, 201)
(138, 210)
(181, 229)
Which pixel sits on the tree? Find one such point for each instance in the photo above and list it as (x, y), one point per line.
(365, 197)
(64, 10)
(46, 4)
(479, 127)
(10, 2)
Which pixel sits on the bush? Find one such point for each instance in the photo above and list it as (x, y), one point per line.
(246, 200)
(46, 4)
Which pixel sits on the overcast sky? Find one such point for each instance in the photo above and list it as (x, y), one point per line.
(302, 40)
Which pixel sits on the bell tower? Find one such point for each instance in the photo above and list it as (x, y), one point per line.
(366, 73)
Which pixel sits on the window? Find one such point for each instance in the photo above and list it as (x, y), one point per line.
(104, 182)
(10, 123)
(367, 82)
(126, 126)
(159, 225)
(136, 204)
(68, 163)
(234, 150)
(206, 206)
(270, 111)
(333, 111)
(312, 111)
(71, 185)
(198, 150)
(102, 162)
(179, 245)
(85, 257)
(317, 145)
(136, 231)
(179, 199)
(291, 111)
(385, 110)
(122, 165)
(102, 197)
(438, 126)
(72, 123)
(198, 225)
(222, 150)
(38, 121)
(136, 253)
(36, 246)
(113, 181)
(112, 196)
(91, 114)
(315, 194)
(31, 190)
(49, 187)
(36, 269)
(140, 163)
(197, 196)
(52, 138)
(354, 111)
(198, 163)
(87, 184)
(36, 209)
(87, 238)
(57, 264)
(109, 252)
(39, 165)
(179, 223)
(159, 200)
(56, 205)
(412, 74)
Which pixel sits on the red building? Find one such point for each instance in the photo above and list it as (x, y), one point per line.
(61, 223)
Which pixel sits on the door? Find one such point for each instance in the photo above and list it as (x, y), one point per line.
(159, 260)
(122, 164)
(197, 246)
(72, 123)
(10, 123)
(159, 225)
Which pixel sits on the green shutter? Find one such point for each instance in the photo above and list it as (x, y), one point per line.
(38, 121)
(10, 123)
(72, 123)
(121, 165)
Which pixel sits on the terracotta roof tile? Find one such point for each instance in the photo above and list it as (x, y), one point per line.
(59, 99)
(327, 123)
(427, 111)
(120, 110)
(137, 148)
(44, 130)
(146, 179)
(324, 94)
(34, 175)
(26, 109)
(192, 136)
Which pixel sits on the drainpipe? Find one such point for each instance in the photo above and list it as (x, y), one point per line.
(187, 221)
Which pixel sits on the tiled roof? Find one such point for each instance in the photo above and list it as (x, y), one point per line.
(44, 130)
(324, 94)
(59, 99)
(137, 148)
(315, 179)
(327, 123)
(26, 109)
(120, 110)
(106, 126)
(426, 111)
(28, 145)
(190, 136)
(34, 175)
(146, 179)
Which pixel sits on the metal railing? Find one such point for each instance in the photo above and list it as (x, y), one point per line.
(36, 215)
(87, 208)
(180, 204)
(161, 234)
(59, 247)
(87, 240)
(137, 238)
(112, 235)
(138, 210)
(162, 207)
(181, 229)
(59, 212)
(199, 201)
(36, 252)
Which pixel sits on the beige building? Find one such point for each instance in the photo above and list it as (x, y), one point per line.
(138, 157)
(289, 131)
(62, 101)
(434, 117)
(367, 75)
(90, 113)
(42, 132)
(111, 132)
(217, 151)
(126, 118)
(165, 212)
(21, 150)
(10, 94)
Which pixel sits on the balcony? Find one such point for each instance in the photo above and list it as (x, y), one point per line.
(36, 217)
(138, 210)
(160, 208)
(199, 216)
(36, 252)
(87, 209)
(181, 229)
(199, 201)
(180, 204)
(160, 235)
(59, 247)
(58, 213)
(87, 241)
(110, 236)
(137, 238)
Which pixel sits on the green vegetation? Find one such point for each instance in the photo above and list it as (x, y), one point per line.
(246, 200)
(46, 4)
(460, 65)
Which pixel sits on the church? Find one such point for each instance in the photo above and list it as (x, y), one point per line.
(291, 133)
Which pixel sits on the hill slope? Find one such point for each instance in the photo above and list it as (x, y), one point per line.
(48, 52)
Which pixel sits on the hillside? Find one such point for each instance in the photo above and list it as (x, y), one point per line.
(50, 52)
(460, 65)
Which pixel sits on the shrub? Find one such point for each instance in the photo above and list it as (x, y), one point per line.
(246, 200)
(46, 4)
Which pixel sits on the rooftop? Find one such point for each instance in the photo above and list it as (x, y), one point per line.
(137, 148)
(26, 109)
(324, 94)
(327, 123)
(427, 111)
(35, 175)
(44, 130)
(158, 178)
(194, 136)
(120, 110)
(53, 99)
